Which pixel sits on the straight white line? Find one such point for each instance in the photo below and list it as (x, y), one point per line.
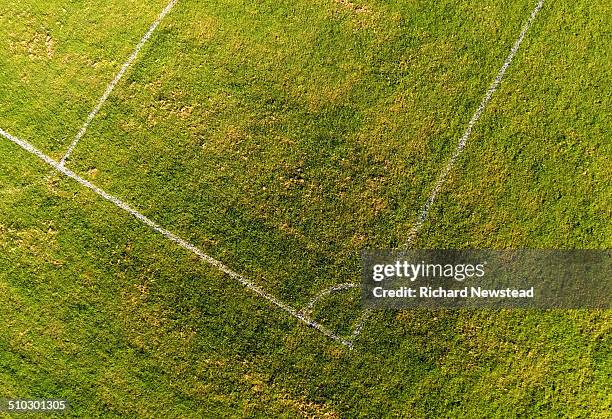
(460, 146)
(173, 237)
(114, 82)
(468, 131)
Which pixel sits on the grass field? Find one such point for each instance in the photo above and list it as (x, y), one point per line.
(282, 138)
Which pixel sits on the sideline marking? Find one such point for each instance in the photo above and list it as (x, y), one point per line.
(460, 146)
(113, 83)
(468, 131)
(178, 240)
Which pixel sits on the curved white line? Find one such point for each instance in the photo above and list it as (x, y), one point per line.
(325, 293)
(173, 237)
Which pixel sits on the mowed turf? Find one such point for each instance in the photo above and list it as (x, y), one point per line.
(57, 58)
(99, 310)
(537, 172)
(120, 321)
(284, 137)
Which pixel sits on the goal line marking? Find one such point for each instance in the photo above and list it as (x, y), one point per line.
(460, 147)
(176, 239)
(468, 131)
(113, 83)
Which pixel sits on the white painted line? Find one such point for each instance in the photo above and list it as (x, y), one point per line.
(468, 131)
(460, 146)
(114, 82)
(365, 316)
(367, 313)
(173, 237)
(325, 293)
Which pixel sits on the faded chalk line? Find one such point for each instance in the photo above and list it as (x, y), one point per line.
(114, 82)
(173, 237)
(468, 131)
(460, 146)
(335, 288)
(366, 314)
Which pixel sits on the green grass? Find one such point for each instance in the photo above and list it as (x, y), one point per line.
(536, 172)
(285, 153)
(282, 138)
(57, 58)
